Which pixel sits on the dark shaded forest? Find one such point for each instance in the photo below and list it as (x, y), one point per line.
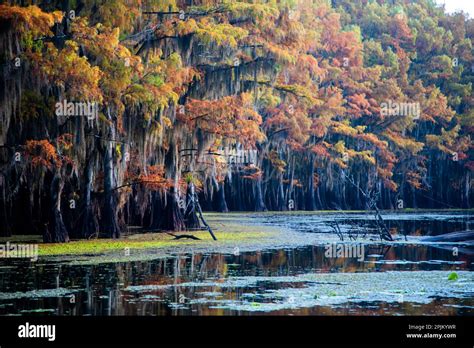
(119, 113)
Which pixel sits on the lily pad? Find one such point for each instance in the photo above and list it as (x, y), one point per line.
(453, 276)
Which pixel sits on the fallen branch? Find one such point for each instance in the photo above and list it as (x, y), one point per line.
(372, 205)
(183, 236)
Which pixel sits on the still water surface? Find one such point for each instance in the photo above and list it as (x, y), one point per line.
(407, 278)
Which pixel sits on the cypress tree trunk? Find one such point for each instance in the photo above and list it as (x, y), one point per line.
(281, 195)
(172, 219)
(156, 211)
(289, 191)
(58, 232)
(6, 230)
(467, 189)
(89, 224)
(310, 204)
(259, 203)
(257, 184)
(110, 222)
(190, 216)
(221, 202)
(318, 197)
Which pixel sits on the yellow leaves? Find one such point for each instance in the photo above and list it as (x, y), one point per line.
(403, 142)
(369, 138)
(137, 94)
(219, 160)
(183, 28)
(125, 78)
(57, 16)
(257, 11)
(252, 172)
(206, 29)
(118, 151)
(366, 156)
(344, 128)
(114, 60)
(348, 154)
(276, 162)
(156, 129)
(189, 178)
(246, 99)
(340, 147)
(66, 69)
(31, 20)
(101, 44)
(119, 13)
(174, 60)
(449, 141)
(269, 99)
(281, 54)
(99, 40)
(167, 122)
(160, 84)
(220, 34)
(161, 5)
(299, 91)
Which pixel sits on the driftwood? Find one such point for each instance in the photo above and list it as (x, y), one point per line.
(371, 203)
(205, 223)
(193, 212)
(465, 237)
(337, 229)
(453, 237)
(183, 236)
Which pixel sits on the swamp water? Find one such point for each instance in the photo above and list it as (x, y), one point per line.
(291, 274)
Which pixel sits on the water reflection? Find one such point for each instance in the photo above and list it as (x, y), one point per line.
(102, 289)
(221, 284)
(405, 224)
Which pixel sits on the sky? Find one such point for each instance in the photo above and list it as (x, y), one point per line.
(454, 5)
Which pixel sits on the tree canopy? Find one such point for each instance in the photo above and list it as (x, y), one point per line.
(258, 103)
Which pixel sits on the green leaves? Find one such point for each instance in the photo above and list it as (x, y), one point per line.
(155, 80)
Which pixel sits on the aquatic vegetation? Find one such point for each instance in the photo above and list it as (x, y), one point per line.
(228, 233)
(59, 292)
(259, 264)
(453, 276)
(339, 288)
